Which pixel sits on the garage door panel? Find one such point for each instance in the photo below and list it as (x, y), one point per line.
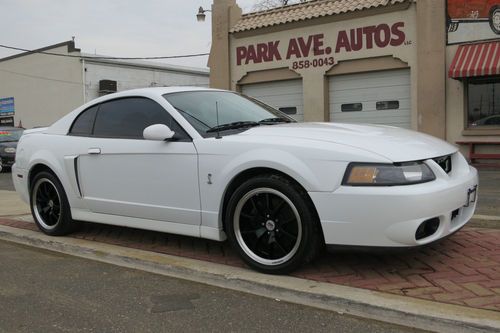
(371, 105)
(374, 78)
(279, 94)
(370, 96)
(368, 89)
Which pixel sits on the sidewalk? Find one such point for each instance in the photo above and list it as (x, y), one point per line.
(462, 270)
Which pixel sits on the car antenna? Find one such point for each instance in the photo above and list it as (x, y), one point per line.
(217, 117)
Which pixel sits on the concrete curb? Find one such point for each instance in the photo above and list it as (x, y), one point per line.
(395, 309)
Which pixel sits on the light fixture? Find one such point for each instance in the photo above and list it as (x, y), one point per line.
(201, 14)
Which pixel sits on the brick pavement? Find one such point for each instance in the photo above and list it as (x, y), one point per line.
(463, 269)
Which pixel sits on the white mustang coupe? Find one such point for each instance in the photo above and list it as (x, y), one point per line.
(216, 164)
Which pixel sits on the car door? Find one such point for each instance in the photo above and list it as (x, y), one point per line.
(122, 174)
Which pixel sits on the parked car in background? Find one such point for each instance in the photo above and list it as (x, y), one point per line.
(493, 120)
(215, 164)
(9, 136)
(463, 11)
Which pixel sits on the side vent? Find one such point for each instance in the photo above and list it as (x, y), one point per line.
(107, 87)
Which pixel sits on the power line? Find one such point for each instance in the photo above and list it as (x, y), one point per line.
(40, 77)
(105, 58)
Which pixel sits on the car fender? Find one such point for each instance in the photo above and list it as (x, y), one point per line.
(279, 160)
(306, 173)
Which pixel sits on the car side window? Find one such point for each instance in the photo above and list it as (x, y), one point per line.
(128, 117)
(84, 123)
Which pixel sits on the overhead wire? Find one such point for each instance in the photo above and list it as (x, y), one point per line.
(105, 57)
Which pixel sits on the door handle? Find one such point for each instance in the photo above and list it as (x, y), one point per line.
(94, 151)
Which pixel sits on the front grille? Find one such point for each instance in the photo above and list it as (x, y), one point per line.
(444, 162)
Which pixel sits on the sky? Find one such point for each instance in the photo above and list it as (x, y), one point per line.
(119, 28)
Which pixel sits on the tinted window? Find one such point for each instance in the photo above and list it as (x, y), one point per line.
(7, 135)
(84, 122)
(483, 99)
(387, 105)
(351, 107)
(207, 109)
(128, 117)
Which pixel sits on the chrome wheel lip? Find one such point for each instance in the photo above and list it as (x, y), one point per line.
(239, 236)
(34, 205)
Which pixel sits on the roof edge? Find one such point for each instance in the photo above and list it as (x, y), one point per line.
(70, 44)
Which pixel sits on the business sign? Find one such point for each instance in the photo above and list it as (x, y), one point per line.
(7, 106)
(314, 46)
(472, 20)
(7, 121)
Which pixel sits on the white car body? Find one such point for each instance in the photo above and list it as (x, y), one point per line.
(179, 187)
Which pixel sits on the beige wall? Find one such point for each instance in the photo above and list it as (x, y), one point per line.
(431, 67)
(44, 87)
(314, 79)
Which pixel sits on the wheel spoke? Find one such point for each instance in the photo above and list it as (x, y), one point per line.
(288, 221)
(257, 232)
(287, 234)
(278, 208)
(278, 245)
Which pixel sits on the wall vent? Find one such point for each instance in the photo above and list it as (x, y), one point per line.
(107, 87)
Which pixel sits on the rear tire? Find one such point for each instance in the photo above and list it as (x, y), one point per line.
(272, 224)
(49, 205)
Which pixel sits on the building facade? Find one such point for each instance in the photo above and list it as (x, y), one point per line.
(375, 61)
(36, 89)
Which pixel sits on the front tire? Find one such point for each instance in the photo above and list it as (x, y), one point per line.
(49, 205)
(272, 224)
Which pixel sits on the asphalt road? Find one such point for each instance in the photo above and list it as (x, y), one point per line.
(42, 291)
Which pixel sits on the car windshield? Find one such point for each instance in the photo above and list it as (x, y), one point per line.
(235, 112)
(7, 135)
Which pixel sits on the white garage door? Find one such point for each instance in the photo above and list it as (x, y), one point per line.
(374, 98)
(283, 95)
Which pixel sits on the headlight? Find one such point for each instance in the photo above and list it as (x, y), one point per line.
(10, 150)
(366, 174)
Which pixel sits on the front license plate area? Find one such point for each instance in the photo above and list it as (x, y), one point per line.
(471, 196)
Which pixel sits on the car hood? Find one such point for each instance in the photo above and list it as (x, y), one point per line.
(393, 143)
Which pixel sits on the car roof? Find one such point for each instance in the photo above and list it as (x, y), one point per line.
(62, 125)
(158, 91)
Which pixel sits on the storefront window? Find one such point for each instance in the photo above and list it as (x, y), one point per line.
(483, 97)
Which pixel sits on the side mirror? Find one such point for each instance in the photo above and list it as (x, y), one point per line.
(158, 132)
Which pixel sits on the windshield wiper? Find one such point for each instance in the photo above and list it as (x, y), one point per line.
(274, 120)
(233, 125)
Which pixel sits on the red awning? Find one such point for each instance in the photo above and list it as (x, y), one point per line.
(476, 60)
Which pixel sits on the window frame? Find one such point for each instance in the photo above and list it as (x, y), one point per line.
(495, 129)
(183, 137)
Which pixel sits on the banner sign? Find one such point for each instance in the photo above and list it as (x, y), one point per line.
(472, 20)
(314, 46)
(7, 106)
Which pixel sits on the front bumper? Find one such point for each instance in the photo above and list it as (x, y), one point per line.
(390, 216)
(8, 159)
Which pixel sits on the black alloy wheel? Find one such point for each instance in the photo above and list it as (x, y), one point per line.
(272, 224)
(49, 205)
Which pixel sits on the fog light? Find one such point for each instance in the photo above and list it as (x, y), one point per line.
(427, 228)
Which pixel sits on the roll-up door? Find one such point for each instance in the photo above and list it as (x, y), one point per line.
(382, 97)
(286, 96)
